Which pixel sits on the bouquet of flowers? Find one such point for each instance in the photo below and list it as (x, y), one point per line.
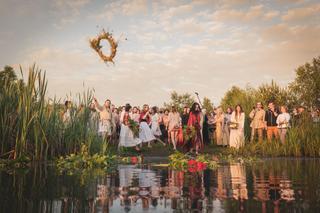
(196, 166)
(134, 127)
(233, 125)
(189, 132)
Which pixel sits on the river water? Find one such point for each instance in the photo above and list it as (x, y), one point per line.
(274, 185)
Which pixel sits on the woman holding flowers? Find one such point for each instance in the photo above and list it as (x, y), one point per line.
(195, 121)
(145, 133)
(237, 127)
(129, 130)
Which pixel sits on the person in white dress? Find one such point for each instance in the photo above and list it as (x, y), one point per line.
(283, 121)
(237, 132)
(66, 118)
(135, 115)
(155, 119)
(145, 133)
(127, 138)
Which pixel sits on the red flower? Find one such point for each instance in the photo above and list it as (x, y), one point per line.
(134, 160)
(192, 169)
(192, 163)
(201, 166)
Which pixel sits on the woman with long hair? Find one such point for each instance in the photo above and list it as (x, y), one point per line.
(145, 133)
(226, 128)
(174, 125)
(237, 127)
(127, 138)
(195, 121)
(219, 126)
(155, 124)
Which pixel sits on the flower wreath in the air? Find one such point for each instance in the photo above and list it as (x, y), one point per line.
(95, 44)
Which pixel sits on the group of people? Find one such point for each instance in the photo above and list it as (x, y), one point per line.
(169, 127)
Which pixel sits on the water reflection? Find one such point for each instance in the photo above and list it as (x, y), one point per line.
(272, 186)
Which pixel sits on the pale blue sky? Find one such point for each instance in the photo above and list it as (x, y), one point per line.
(205, 46)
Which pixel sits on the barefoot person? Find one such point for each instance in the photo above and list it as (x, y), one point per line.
(127, 137)
(106, 122)
(195, 122)
(174, 123)
(145, 133)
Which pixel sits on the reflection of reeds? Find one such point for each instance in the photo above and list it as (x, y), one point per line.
(31, 126)
(301, 140)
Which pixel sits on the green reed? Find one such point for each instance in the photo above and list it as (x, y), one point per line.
(302, 140)
(31, 125)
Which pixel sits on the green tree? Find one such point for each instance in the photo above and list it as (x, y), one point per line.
(306, 85)
(180, 100)
(244, 97)
(273, 92)
(8, 73)
(207, 104)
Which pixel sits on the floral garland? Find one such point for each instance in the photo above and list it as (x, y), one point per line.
(95, 44)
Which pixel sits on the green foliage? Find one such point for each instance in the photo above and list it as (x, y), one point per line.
(301, 141)
(306, 86)
(32, 126)
(84, 161)
(179, 101)
(207, 104)
(245, 97)
(179, 161)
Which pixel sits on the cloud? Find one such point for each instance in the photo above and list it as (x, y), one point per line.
(123, 7)
(271, 14)
(234, 15)
(302, 13)
(67, 11)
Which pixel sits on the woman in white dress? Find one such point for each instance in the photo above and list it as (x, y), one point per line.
(283, 121)
(145, 133)
(237, 132)
(155, 119)
(135, 115)
(127, 139)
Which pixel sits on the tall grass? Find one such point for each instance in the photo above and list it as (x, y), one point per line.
(302, 140)
(32, 126)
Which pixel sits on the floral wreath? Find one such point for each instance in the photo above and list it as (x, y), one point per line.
(95, 44)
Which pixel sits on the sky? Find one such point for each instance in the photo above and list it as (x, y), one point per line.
(206, 46)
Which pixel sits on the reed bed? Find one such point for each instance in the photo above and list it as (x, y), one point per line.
(302, 141)
(31, 125)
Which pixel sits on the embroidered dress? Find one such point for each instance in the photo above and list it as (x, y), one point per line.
(127, 138)
(195, 121)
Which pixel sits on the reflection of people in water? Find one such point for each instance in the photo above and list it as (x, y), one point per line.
(238, 181)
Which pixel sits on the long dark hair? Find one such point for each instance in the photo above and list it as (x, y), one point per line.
(155, 109)
(193, 108)
(236, 111)
(127, 107)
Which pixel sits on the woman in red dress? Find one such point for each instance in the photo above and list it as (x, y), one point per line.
(195, 121)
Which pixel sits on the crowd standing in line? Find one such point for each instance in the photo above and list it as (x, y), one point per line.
(169, 127)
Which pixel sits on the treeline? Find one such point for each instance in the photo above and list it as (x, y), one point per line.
(303, 91)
